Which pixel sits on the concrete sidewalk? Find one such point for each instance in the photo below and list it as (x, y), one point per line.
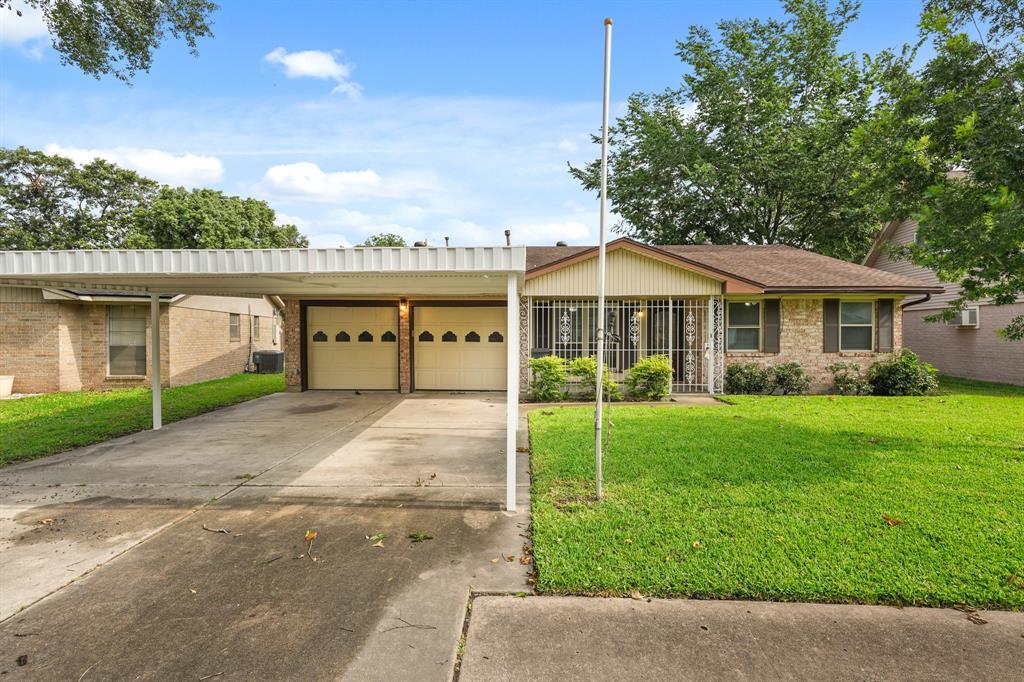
(575, 638)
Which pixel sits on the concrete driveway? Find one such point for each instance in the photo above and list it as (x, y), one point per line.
(181, 554)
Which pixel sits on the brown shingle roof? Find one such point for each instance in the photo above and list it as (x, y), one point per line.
(775, 268)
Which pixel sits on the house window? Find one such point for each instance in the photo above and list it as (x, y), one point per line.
(743, 326)
(255, 326)
(234, 326)
(856, 325)
(126, 340)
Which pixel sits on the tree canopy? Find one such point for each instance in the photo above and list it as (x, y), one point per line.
(947, 144)
(384, 239)
(48, 202)
(115, 37)
(756, 145)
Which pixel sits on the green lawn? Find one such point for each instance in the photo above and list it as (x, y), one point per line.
(45, 424)
(787, 498)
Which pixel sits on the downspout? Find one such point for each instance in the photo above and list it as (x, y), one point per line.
(927, 297)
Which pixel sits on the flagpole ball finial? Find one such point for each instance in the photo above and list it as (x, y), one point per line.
(608, 21)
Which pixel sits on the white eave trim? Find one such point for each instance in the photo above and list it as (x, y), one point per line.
(171, 262)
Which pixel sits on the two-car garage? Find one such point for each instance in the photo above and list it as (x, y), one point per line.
(451, 345)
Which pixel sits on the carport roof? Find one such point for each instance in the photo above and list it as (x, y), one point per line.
(361, 270)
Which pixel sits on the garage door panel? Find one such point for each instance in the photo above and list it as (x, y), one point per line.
(352, 347)
(473, 365)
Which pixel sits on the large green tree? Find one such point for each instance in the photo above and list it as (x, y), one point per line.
(948, 143)
(118, 37)
(208, 219)
(756, 145)
(48, 202)
(385, 239)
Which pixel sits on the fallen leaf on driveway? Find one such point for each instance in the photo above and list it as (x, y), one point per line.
(310, 535)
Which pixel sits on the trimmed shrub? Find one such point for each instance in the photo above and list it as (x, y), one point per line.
(748, 377)
(585, 371)
(848, 379)
(904, 374)
(548, 384)
(650, 378)
(790, 377)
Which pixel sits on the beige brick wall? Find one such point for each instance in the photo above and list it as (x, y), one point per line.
(292, 345)
(29, 346)
(201, 346)
(800, 340)
(969, 353)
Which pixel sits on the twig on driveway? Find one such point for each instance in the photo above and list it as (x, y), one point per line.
(409, 625)
(82, 676)
(206, 677)
(217, 530)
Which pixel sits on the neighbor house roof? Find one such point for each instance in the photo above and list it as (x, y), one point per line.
(768, 268)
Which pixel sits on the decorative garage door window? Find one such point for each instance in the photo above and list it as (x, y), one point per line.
(426, 337)
(495, 337)
(342, 337)
(678, 328)
(472, 337)
(319, 337)
(388, 337)
(449, 337)
(365, 337)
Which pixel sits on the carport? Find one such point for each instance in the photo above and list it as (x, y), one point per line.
(356, 279)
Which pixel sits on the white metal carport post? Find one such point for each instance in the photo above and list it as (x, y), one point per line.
(512, 391)
(154, 372)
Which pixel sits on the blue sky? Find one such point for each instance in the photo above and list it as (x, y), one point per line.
(425, 119)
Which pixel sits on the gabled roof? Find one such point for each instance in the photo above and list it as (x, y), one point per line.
(769, 268)
(876, 246)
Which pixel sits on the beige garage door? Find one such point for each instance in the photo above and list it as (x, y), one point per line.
(459, 348)
(349, 347)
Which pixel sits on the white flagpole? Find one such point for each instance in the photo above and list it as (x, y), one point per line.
(599, 412)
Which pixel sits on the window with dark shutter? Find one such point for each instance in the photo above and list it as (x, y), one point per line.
(830, 325)
(883, 332)
(771, 325)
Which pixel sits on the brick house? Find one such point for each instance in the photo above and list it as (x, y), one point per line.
(74, 339)
(967, 347)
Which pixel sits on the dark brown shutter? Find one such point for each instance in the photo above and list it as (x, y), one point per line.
(771, 326)
(830, 324)
(883, 332)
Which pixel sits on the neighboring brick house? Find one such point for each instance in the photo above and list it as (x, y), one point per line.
(968, 347)
(69, 340)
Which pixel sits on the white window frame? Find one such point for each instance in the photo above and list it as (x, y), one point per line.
(760, 327)
(256, 327)
(145, 344)
(874, 314)
(234, 327)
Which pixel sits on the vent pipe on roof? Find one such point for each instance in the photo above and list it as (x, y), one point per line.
(420, 244)
(508, 237)
(560, 243)
(446, 241)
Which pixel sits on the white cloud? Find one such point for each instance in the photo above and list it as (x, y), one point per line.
(306, 180)
(568, 146)
(190, 170)
(316, 64)
(538, 234)
(28, 31)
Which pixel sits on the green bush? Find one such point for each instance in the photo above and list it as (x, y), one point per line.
(848, 379)
(548, 384)
(650, 378)
(790, 377)
(748, 377)
(585, 371)
(904, 374)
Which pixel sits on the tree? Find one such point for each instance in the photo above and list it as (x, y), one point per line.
(756, 145)
(207, 219)
(47, 202)
(384, 239)
(117, 37)
(947, 145)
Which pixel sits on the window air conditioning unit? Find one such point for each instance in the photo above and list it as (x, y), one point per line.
(968, 317)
